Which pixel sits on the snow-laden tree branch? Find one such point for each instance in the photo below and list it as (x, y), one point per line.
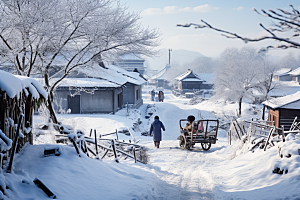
(285, 22)
(37, 36)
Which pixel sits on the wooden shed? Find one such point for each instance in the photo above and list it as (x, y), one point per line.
(18, 95)
(283, 110)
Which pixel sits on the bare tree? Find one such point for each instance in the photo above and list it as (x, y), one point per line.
(265, 76)
(285, 22)
(239, 74)
(69, 35)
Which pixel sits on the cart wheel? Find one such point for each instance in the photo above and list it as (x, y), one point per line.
(182, 142)
(206, 146)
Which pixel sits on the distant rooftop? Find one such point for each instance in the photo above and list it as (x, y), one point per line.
(132, 56)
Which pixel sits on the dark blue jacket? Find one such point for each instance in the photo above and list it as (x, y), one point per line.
(156, 127)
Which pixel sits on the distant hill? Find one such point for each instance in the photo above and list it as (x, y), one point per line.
(178, 57)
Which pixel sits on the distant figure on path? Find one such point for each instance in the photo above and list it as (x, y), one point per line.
(152, 95)
(162, 96)
(156, 127)
(159, 96)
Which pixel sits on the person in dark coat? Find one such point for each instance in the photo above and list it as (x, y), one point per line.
(159, 96)
(152, 95)
(156, 127)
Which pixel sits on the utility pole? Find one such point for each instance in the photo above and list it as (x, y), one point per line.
(170, 56)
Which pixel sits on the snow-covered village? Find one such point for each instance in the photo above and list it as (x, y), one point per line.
(148, 100)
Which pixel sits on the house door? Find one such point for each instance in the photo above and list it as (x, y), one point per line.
(74, 104)
(120, 100)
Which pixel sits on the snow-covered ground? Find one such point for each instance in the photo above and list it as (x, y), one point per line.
(172, 173)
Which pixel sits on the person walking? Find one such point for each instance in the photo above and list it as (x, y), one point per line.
(152, 95)
(162, 96)
(156, 127)
(159, 96)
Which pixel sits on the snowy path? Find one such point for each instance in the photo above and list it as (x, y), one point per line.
(188, 171)
(172, 173)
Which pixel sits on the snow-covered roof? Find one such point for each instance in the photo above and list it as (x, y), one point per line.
(13, 85)
(188, 75)
(118, 73)
(289, 102)
(295, 72)
(87, 82)
(282, 71)
(283, 88)
(207, 77)
(162, 74)
(110, 76)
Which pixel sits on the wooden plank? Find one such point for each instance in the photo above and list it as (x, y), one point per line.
(14, 145)
(114, 150)
(96, 146)
(271, 132)
(90, 150)
(236, 130)
(41, 185)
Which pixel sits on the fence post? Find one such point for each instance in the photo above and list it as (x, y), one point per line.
(117, 134)
(15, 144)
(96, 145)
(230, 137)
(134, 155)
(236, 130)
(271, 131)
(283, 136)
(114, 150)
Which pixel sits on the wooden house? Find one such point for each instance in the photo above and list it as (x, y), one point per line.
(189, 81)
(18, 95)
(295, 74)
(110, 90)
(87, 95)
(282, 75)
(283, 110)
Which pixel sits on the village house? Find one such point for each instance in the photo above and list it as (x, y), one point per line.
(282, 75)
(295, 74)
(190, 81)
(111, 89)
(283, 110)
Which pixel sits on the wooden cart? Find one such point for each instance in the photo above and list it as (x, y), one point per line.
(203, 131)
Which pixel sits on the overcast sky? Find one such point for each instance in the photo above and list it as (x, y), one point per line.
(235, 16)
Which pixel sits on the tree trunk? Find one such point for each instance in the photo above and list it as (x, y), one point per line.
(263, 112)
(51, 110)
(240, 106)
